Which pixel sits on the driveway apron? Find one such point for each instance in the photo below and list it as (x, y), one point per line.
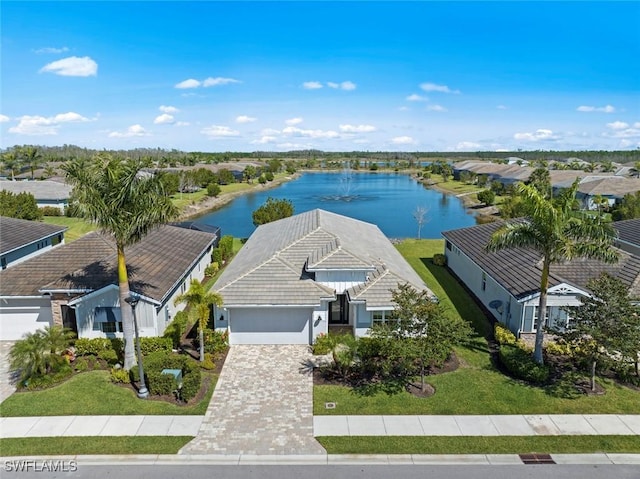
(263, 404)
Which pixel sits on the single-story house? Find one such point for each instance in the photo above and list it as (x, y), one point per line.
(298, 277)
(75, 285)
(507, 282)
(23, 239)
(46, 192)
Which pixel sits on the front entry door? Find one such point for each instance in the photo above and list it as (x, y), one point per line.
(339, 310)
(69, 318)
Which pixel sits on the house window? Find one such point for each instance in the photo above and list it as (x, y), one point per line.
(484, 281)
(384, 316)
(448, 243)
(111, 327)
(4, 263)
(535, 317)
(108, 319)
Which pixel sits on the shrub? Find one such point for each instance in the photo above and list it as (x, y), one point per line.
(213, 189)
(208, 362)
(212, 269)
(488, 197)
(152, 344)
(226, 247)
(191, 383)
(521, 365)
(81, 364)
(216, 255)
(439, 259)
(373, 166)
(176, 328)
(215, 342)
(262, 180)
(108, 355)
(268, 176)
(322, 345)
(42, 382)
(93, 347)
(50, 211)
(558, 349)
(503, 335)
(119, 376)
(161, 384)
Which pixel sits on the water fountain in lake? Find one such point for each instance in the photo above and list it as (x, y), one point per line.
(346, 187)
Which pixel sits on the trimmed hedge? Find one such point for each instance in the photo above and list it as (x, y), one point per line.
(93, 347)
(503, 335)
(150, 345)
(521, 365)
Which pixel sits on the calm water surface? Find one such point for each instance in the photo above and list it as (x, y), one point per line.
(385, 199)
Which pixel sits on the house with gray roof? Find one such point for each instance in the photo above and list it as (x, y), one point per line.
(300, 276)
(507, 282)
(75, 285)
(23, 239)
(46, 192)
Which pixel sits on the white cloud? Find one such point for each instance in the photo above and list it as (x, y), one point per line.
(190, 83)
(72, 67)
(51, 50)
(164, 119)
(270, 132)
(40, 125)
(312, 85)
(468, 145)
(345, 85)
(357, 128)
(618, 125)
(402, 140)
(293, 121)
(218, 81)
(245, 119)
(623, 130)
(265, 139)
(4, 118)
(293, 131)
(416, 97)
(182, 123)
(133, 130)
(438, 88)
(217, 131)
(603, 109)
(502, 107)
(168, 109)
(439, 108)
(541, 134)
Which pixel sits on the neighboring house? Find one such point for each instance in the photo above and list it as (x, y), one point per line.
(507, 282)
(612, 188)
(297, 277)
(23, 239)
(75, 285)
(46, 193)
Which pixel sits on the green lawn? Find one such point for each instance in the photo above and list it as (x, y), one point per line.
(71, 446)
(453, 186)
(92, 393)
(77, 226)
(479, 445)
(476, 387)
(181, 200)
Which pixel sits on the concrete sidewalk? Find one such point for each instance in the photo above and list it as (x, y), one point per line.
(507, 425)
(523, 425)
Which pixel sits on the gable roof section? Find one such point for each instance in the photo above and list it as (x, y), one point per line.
(156, 265)
(41, 190)
(518, 269)
(15, 233)
(628, 231)
(283, 248)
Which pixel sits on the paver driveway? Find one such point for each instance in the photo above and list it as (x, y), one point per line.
(7, 377)
(263, 404)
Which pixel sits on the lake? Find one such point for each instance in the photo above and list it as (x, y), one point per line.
(388, 200)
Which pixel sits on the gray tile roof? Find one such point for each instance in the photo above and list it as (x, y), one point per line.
(41, 190)
(628, 231)
(518, 269)
(15, 233)
(155, 265)
(270, 268)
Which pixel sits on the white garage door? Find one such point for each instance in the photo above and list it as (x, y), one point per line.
(17, 318)
(270, 326)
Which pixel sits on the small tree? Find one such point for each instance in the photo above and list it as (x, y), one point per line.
(213, 189)
(605, 324)
(420, 215)
(540, 179)
(487, 197)
(272, 210)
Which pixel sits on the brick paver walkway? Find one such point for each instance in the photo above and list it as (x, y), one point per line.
(7, 377)
(263, 404)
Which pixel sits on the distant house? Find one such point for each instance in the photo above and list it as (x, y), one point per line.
(75, 285)
(301, 276)
(46, 193)
(22, 239)
(507, 282)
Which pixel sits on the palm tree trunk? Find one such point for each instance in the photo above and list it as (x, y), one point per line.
(201, 337)
(593, 376)
(542, 311)
(125, 311)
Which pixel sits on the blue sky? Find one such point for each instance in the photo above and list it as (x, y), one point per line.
(335, 76)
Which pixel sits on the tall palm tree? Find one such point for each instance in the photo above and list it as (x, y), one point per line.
(31, 157)
(111, 194)
(551, 229)
(199, 301)
(11, 162)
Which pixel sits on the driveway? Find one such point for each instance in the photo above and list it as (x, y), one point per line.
(7, 377)
(263, 404)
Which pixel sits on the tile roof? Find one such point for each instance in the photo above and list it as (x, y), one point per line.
(270, 268)
(611, 186)
(628, 231)
(41, 190)
(155, 265)
(518, 269)
(15, 233)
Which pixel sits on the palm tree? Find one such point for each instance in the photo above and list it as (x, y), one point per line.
(635, 171)
(111, 194)
(37, 353)
(199, 301)
(11, 163)
(31, 156)
(551, 229)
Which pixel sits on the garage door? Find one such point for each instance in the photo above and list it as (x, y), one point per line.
(18, 317)
(270, 326)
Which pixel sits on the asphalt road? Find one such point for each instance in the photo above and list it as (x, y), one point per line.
(329, 472)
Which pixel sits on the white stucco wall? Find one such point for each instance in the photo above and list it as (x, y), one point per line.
(19, 316)
(340, 281)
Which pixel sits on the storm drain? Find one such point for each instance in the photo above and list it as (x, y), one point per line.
(536, 459)
(329, 405)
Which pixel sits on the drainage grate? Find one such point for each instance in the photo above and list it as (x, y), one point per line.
(536, 459)
(329, 405)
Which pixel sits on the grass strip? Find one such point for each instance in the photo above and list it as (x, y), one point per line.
(45, 446)
(479, 445)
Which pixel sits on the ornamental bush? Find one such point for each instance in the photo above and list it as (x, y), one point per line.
(176, 328)
(119, 376)
(439, 259)
(503, 335)
(521, 365)
(150, 345)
